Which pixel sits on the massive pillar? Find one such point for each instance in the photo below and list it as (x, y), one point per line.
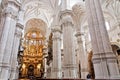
(7, 36)
(16, 43)
(56, 66)
(83, 62)
(104, 60)
(70, 67)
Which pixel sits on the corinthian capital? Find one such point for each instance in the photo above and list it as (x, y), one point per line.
(11, 8)
(78, 11)
(10, 12)
(56, 33)
(65, 13)
(56, 28)
(66, 16)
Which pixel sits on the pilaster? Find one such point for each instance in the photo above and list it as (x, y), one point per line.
(83, 61)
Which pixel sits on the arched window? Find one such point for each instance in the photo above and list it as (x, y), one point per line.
(107, 25)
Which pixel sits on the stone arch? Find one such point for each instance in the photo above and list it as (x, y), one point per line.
(37, 9)
(116, 48)
(35, 24)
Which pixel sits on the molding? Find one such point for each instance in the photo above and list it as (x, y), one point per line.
(65, 16)
(69, 66)
(19, 25)
(56, 70)
(84, 70)
(56, 38)
(67, 24)
(100, 57)
(5, 65)
(79, 34)
(65, 13)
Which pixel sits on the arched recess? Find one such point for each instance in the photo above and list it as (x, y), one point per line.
(116, 51)
(90, 65)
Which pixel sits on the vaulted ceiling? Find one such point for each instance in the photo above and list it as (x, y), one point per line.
(46, 9)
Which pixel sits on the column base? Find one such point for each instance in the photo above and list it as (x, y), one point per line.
(56, 73)
(4, 74)
(115, 77)
(109, 77)
(70, 71)
(102, 77)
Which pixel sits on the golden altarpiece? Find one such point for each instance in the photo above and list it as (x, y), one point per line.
(31, 58)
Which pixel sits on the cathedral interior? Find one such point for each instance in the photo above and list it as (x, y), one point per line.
(59, 39)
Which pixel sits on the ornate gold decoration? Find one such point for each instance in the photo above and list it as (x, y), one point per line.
(33, 44)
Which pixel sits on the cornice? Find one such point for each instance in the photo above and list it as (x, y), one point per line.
(65, 15)
(19, 25)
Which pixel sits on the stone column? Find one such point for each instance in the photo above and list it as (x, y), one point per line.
(56, 66)
(104, 60)
(83, 61)
(45, 53)
(70, 67)
(10, 14)
(16, 44)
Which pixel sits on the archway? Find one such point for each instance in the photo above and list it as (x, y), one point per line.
(32, 56)
(116, 51)
(90, 65)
